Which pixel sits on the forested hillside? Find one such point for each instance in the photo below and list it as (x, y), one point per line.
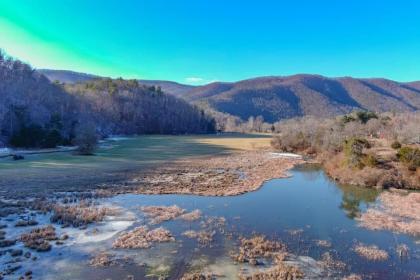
(35, 112)
(275, 98)
(129, 107)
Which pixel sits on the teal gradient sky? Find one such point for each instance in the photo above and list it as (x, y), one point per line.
(198, 41)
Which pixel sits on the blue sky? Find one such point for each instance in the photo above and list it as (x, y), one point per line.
(207, 40)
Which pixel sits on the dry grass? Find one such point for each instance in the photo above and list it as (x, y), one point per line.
(205, 238)
(141, 238)
(218, 175)
(397, 212)
(372, 252)
(191, 216)
(159, 214)
(353, 277)
(79, 215)
(38, 238)
(328, 261)
(102, 259)
(235, 143)
(278, 272)
(323, 243)
(258, 247)
(198, 276)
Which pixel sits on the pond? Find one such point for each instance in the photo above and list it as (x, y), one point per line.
(299, 211)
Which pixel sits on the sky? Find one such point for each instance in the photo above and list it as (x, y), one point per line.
(200, 41)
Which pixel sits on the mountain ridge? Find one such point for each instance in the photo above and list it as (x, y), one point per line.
(282, 97)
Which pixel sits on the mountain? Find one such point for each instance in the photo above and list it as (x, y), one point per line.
(281, 97)
(71, 77)
(66, 76)
(35, 112)
(277, 98)
(173, 88)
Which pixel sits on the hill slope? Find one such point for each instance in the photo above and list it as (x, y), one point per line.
(277, 98)
(71, 77)
(34, 112)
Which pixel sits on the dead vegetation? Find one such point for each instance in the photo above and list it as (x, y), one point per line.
(250, 250)
(372, 252)
(353, 277)
(159, 214)
(323, 243)
(39, 238)
(204, 238)
(358, 148)
(102, 259)
(198, 276)
(79, 215)
(278, 272)
(141, 238)
(397, 211)
(191, 216)
(329, 262)
(217, 176)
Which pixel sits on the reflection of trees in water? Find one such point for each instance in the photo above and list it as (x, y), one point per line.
(310, 172)
(354, 196)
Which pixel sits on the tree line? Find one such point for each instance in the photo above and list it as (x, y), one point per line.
(35, 112)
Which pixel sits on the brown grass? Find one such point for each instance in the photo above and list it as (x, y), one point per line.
(79, 215)
(397, 212)
(159, 214)
(38, 238)
(217, 176)
(198, 276)
(102, 259)
(205, 238)
(258, 247)
(328, 261)
(353, 277)
(141, 237)
(191, 216)
(278, 272)
(372, 252)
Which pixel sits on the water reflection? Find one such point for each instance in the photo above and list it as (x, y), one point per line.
(356, 199)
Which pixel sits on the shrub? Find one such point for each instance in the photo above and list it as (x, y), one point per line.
(364, 116)
(396, 145)
(353, 150)
(370, 160)
(410, 156)
(86, 139)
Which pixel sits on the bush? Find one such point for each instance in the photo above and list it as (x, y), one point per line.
(86, 139)
(370, 160)
(353, 150)
(410, 156)
(396, 145)
(364, 116)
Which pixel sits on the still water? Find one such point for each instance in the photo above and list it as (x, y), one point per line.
(298, 210)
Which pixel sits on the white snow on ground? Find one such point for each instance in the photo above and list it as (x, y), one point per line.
(117, 138)
(285, 155)
(4, 151)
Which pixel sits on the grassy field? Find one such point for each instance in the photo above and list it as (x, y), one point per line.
(116, 160)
